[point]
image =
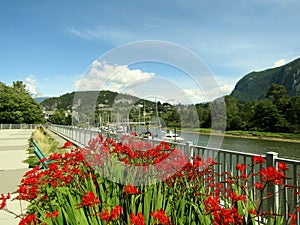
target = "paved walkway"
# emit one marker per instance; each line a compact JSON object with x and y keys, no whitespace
{"x":13,"y":146}
{"x":61,"y":141}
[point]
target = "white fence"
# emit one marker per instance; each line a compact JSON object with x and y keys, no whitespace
{"x":18,"y":126}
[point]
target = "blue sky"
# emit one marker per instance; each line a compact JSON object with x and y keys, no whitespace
{"x":50,"y":45}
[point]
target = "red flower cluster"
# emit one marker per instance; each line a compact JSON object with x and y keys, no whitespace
{"x":258,"y":159}
{"x":112,"y":215}
{"x":89,"y":199}
{"x":137,"y":220}
{"x":241,"y":167}
{"x":130,"y":189}
{"x":3,"y":199}
{"x":271,"y":175}
{"x":52,"y":215}
{"x":221,"y":214}
{"x":30,"y":219}
{"x":60,"y":172}
{"x":67,"y":144}
{"x":161,"y":217}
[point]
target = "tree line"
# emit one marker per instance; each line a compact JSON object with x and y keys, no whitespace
{"x":278,"y":112}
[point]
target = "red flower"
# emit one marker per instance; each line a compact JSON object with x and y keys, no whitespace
{"x":259,"y":185}
{"x":3,"y":200}
{"x":130,"y":189}
{"x":52,"y":214}
{"x":113,"y":215}
{"x":161,"y":216}
{"x":89,"y":199}
{"x":134,"y":134}
{"x":115,"y":212}
{"x":67,"y":144}
{"x":55,"y":156}
{"x":252,"y":212}
{"x":282,"y":166}
{"x":271,"y":175}
{"x":258,"y":159}
{"x":137,"y":220}
{"x":240,"y":167}
{"x":30,"y":219}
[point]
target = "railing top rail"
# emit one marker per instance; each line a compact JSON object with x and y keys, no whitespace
{"x":229,"y":151}
{"x":290,"y":161}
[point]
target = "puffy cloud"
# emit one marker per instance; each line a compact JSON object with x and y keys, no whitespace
{"x":103,"y":76}
{"x":280,"y":62}
{"x":227,"y":88}
{"x":30,"y":82}
{"x":195,"y":95}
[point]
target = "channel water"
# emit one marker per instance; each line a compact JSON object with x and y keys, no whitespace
{"x":285,"y":149}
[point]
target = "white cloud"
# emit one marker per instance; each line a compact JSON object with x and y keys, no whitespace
{"x":102,"y":76}
{"x":30,"y":82}
{"x":195,"y":95}
{"x":227,"y":88}
{"x":280,"y":62}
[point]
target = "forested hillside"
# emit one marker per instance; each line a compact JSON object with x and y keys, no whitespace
{"x":254,"y":85}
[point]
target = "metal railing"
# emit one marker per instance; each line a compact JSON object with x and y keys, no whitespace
{"x":280,"y":201}
{"x":18,"y":126}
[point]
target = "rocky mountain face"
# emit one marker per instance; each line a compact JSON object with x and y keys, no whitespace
{"x":254,"y":85}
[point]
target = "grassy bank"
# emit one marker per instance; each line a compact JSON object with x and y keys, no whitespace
{"x":248,"y":134}
{"x":45,"y":142}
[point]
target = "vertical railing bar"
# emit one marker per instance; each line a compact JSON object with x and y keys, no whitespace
{"x":219,"y":167}
{"x":285,"y":201}
{"x":296,"y":197}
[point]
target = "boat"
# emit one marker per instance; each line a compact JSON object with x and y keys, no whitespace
{"x":172,"y":136}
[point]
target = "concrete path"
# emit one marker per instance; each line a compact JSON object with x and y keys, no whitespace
{"x":13,"y":146}
{"x":60,"y":141}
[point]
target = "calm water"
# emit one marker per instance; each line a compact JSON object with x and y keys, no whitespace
{"x":284,"y":149}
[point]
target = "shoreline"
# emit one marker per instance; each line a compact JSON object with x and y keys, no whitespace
{"x":267,"y":138}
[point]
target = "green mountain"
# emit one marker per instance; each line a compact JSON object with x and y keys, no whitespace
{"x":76,"y":100}
{"x":40,"y":99}
{"x":254,"y":85}
{"x":88,"y":106}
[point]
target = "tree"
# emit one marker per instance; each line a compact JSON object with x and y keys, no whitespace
{"x":233,"y":120}
{"x":60,"y":117}
{"x":17,"y":106}
{"x":293,"y":114}
{"x":276,"y":92}
{"x":268,"y":118}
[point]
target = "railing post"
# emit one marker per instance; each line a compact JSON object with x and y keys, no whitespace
{"x":272,"y":190}
{"x":189,"y":150}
